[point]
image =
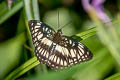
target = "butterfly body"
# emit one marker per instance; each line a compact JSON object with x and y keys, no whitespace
{"x":54,"y":49}
{"x":57,"y":37}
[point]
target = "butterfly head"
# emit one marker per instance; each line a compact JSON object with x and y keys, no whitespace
{"x":59,"y":31}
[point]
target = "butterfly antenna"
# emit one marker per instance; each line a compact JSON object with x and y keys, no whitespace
{"x":66,"y":24}
{"x":58,"y":19}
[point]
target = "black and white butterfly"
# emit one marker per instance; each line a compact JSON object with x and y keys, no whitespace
{"x":54,"y":49}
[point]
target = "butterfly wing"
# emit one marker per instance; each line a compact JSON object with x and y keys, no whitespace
{"x":67,"y":53}
{"x":76,"y":51}
{"x":41,"y":37}
{"x":58,"y":59}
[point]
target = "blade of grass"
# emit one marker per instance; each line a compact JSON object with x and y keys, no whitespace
{"x":35,"y":9}
{"x":30,"y":15}
{"x":8,"y":13}
{"x":22,"y":69}
{"x":84,"y":35}
{"x":114,"y":77}
{"x":28,"y":11}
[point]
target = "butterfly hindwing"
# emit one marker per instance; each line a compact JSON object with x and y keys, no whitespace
{"x":76,"y":51}
{"x":58,"y":59}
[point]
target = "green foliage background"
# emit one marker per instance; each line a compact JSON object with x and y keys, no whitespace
{"x":17,"y":60}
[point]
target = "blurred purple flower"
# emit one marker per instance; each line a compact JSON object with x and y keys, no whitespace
{"x":99,"y":8}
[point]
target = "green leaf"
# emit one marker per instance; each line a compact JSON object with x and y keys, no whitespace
{"x":10,"y":54}
{"x":22,"y":69}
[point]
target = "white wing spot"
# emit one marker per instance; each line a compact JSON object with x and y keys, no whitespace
{"x":32,"y":28}
{"x":56,"y":66}
{"x":37,"y":54}
{"x":76,"y":62}
{"x":65,"y":63}
{"x":73,"y":44}
{"x":81,"y":49}
{"x":31,"y":24}
{"x":78,"y":56}
{"x":83,"y":57}
{"x":47,"y":54}
{"x":35,"y":40}
{"x":45,"y":41}
{"x":49,"y":42}
{"x":72,"y":53}
{"x":39,"y":33}
{"x":35,"y":34}
{"x":58,"y":60}
{"x":70,"y":41}
{"x":70,"y":61}
{"x":55,"y":59}
{"x":38,"y":48}
{"x":40,"y":36}
{"x":58,"y":48}
{"x":42,"y":52}
{"x":87,"y":53}
{"x":43,"y":28}
{"x":54,"y":43}
{"x":53,"y":65}
{"x":65,"y":38}
{"x":46,"y":29}
{"x":38,"y":23}
{"x":81,"y":45}
{"x":36,"y":30}
{"x":80,"y":53}
{"x":80,"y":60}
{"x":61,"y":62}
{"x":37,"y":26}
{"x":66,"y":51}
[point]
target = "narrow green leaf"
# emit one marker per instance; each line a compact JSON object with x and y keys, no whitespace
{"x":35,"y":9}
{"x":22,"y":69}
{"x":86,"y":34}
{"x":28,"y":10}
{"x":114,"y":77}
{"x":5,"y":13}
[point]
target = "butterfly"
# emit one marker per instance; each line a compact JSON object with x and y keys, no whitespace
{"x":54,"y":49}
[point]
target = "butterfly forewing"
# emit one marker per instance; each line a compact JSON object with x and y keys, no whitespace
{"x":60,"y":54}
{"x":41,"y":35}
